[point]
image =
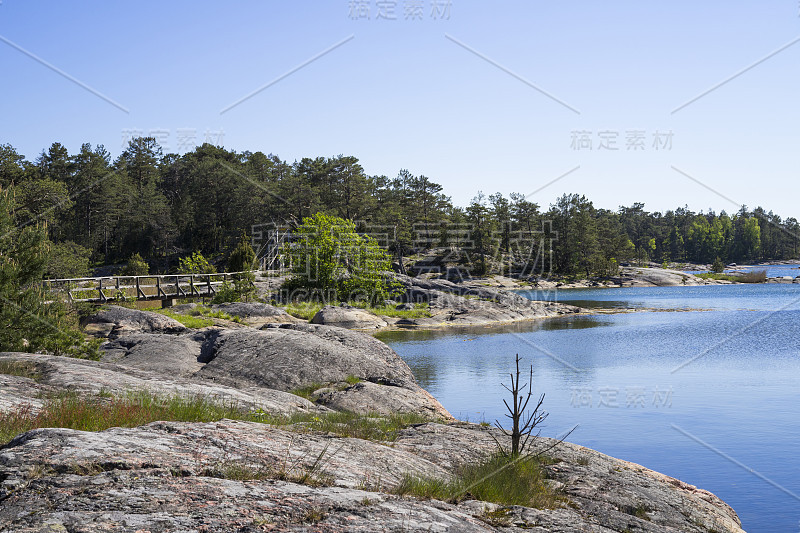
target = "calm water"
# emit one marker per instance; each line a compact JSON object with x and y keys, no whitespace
{"x":710,"y":397}
{"x":773,"y":271}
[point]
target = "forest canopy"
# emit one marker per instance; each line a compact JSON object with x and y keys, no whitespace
{"x":167,"y":206}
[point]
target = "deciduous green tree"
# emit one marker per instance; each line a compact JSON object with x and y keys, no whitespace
{"x":331,"y":261}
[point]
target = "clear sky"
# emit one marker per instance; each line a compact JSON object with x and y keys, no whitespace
{"x":494,"y":96}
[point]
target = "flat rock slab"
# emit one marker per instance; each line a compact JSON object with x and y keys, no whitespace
{"x":19,"y":392}
{"x":155,"y":478}
{"x":658,"y":277}
{"x":92,"y":377}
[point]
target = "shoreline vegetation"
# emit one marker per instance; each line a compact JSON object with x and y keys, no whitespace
{"x":151,"y":209}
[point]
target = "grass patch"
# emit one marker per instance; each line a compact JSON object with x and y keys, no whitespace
{"x":189,"y":321}
{"x":640,"y":511}
{"x":237,"y":471}
{"x":199,"y":317}
{"x":209,"y":313}
{"x":307,"y":390}
{"x":87,"y":413}
{"x":754,"y":276}
{"x":312,"y":516}
{"x":352,"y":380}
{"x":71,"y":410}
{"x":24,"y":369}
{"x":303,"y":310}
{"x":498,"y":479}
{"x":307,"y":310}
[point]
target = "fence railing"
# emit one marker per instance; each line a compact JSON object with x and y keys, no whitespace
{"x":149,"y":287}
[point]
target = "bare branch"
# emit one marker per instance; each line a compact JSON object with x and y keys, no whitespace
{"x":523,"y":422}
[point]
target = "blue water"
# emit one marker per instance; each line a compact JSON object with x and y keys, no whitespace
{"x":773,"y":271}
{"x":710,"y":397}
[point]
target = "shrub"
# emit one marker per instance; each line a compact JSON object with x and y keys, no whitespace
{"x":718,"y":266}
{"x":242,"y":258}
{"x":226,"y":293}
{"x":195,"y":264}
{"x":136,"y":266}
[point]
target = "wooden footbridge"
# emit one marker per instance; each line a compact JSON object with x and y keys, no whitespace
{"x":168,"y":288}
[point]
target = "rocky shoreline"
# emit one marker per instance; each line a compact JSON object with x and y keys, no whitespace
{"x":176,"y":476}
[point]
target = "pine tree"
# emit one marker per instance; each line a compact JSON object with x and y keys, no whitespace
{"x":30,"y":319}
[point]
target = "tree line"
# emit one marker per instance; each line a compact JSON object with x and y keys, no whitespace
{"x":103,"y":210}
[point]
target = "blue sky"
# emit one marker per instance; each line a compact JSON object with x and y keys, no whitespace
{"x":478,"y":96}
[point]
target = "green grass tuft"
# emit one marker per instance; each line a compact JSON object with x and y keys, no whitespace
{"x":498,"y":479}
{"x":307,"y":390}
{"x":303,"y":310}
{"x":371,"y":426}
{"x":24,"y":369}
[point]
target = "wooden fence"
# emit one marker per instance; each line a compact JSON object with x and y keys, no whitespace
{"x":165,"y":287}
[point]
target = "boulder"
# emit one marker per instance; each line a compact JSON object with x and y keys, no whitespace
{"x":367,"y":397}
{"x":114,"y":321}
{"x":657,"y":277}
{"x":166,"y":355}
{"x":347,"y":317}
{"x":297,"y":355}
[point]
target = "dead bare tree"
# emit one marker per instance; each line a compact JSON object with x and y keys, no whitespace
{"x":523,"y":424}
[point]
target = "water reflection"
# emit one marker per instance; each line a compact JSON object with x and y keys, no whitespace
{"x":471,"y":332}
{"x":614,"y":374}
